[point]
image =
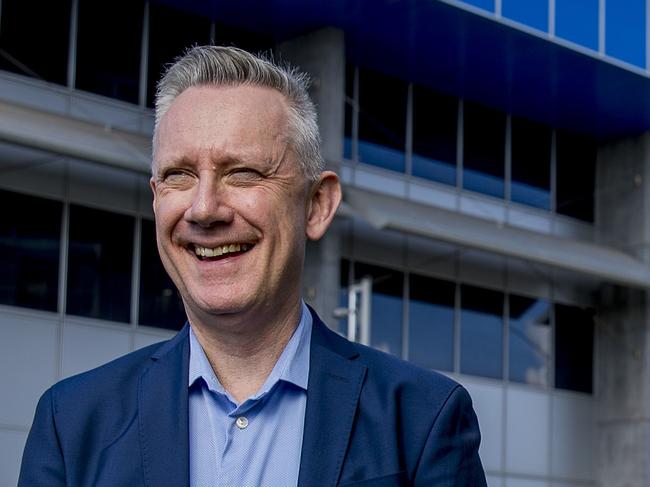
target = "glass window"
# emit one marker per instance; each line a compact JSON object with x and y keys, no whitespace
{"x":577,"y":21}
{"x":484,"y":4}
{"x":25,"y":25}
{"x":382,"y":120}
{"x":481,"y":337}
{"x":484,"y":149}
{"x":531,"y":163}
{"x":431,"y":322}
{"x":99,"y":264}
{"x":109,"y":39}
{"x":574,"y":348}
{"x":576,"y":175}
{"x":625,"y":36}
{"x":160,"y":302}
{"x":386,"y":307}
{"x":171,"y":31}
{"x":349,"y":110}
{"x":230,"y":35}
{"x":529,"y":340}
{"x":435,"y":119}
{"x":533,"y":13}
{"x":30,"y":236}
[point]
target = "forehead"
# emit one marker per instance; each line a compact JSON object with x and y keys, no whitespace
{"x":231,"y":118}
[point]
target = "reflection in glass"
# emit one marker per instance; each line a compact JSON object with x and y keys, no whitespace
{"x":99,"y":264}
{"x":574,"y":348}
{"x":171,"y":31}
{"x":431,"y":322}
{"x":577,"y":21}
{"x":529,"y":340}
{"x":160,"y":302}
{"x":434,"y":135}
{"x":625,"y":26}
{"x":25,"y":26}
{"x":382,"y":120}
{"x":386,"y":306}
{"x":484,"y":149}
{"x":109,"y":42}
{"x":29,"y":251}
{"x":576,"y":175}
{"x":481,"y":337}
{"x":531,"y":163}
{"x":533,"y":13}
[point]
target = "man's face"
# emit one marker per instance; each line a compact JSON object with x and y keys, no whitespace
{"x":230,"y":200}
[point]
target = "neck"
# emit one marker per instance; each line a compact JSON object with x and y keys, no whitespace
{"x":242,"y":350}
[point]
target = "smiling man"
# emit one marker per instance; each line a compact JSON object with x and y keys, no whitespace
{"x":255,"y":390}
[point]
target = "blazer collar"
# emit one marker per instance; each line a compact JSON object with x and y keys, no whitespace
{"x":163,"y":414}
{"x":335,"y":382}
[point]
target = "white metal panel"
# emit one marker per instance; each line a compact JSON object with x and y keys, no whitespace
{"x":573,"y":437}
{"x":103,"y":186}
{"x":527,"y":431}
{"x":482,"y":269}
{"x":12,"y":444}
{"x":488,"y":404}
{"x":530,"y":219}
{"x":144,"y":339}
{"x":32,"y":171}
{"x":86,"y":347}
{"x":36,"y":94}
{"x":145,"y":196}
{"x":482,"y":207}
{"x":381,"y":181}
{"x":494,"y":480}
{"x":427,"y":194}
{"x":429,"y":257}
{"x":521,"y":482}
{"x":28,"y":365}
{"x":109,"y":112}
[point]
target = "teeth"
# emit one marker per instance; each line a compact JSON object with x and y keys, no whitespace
{"x":221,"y":250}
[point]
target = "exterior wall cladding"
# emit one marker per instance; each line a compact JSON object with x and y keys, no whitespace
{"x":496,"y":171}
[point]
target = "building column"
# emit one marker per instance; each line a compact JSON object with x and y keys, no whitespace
{"x":322,"y":55}
{"x":622,"y":379}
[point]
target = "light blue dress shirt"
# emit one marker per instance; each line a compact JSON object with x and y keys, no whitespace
{"x":256,"y":443}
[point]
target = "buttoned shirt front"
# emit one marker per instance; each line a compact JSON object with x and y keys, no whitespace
{"x":257,"y":442}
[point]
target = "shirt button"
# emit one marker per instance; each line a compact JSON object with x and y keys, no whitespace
{"x":241,"y":422}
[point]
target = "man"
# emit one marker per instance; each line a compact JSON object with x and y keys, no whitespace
{"x":255,"y":390}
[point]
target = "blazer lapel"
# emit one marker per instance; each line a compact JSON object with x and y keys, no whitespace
{"x":163,"y":415}
{"x":335,"y":382}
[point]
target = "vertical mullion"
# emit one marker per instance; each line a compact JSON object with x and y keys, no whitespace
{"x":508,"y":160}
{"x":144,"y":57}
{"x":72,"y":46}
{"x":602,"y":27}
{"x":457,"y":314}
{"x":459,"y":144}
{"x":409,"y":130}
{"x":355,"y":116}
{"x":213,"y":32}
{"x":551,"y":18}
{"x":553,"y":161}
{"x":135,"y":271}
{"x":405,"y":315}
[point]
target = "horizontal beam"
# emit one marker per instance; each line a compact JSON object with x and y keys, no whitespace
{"x":74,"y":138}
{"x":387,"y":212}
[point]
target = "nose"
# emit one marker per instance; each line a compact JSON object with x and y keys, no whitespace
{"x":209,"y":206}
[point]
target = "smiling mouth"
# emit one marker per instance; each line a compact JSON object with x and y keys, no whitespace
{"x":220,"y":252}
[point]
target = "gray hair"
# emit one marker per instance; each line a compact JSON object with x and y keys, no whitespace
{"x":223,"y":66}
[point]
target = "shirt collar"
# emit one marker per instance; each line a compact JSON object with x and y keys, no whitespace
{"x":292,"y":366}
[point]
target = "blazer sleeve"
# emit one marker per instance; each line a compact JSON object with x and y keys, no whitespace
{"x":42,"y":464}
{"x":450,"y":456}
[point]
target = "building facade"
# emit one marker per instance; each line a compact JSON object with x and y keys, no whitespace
{"x":496,"y":218}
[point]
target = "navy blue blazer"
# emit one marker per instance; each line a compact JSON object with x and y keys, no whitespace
{"x":371,"y":421}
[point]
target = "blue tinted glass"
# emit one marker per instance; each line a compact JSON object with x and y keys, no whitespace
{"x":530,"y":340}
{"x":531,"y":163}
{"x":577,"y":21}
{"x":382,"y":120}
{"x":160,"y":302}
{"x":533,"y":13}
{"x":99,"y":264}
{"x":484,"y":150}
{"x":30,"y":235}
{"x":435,"y":121}
{"x":481,"y":335}
{"x":386,"y":306}
{"x":431,"y":323}
{"x":625,"y":30}
{"x":484,"y":4}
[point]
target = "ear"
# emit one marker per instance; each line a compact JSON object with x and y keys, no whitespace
{"x":325,"y":198}
{"x":152,"y":185}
